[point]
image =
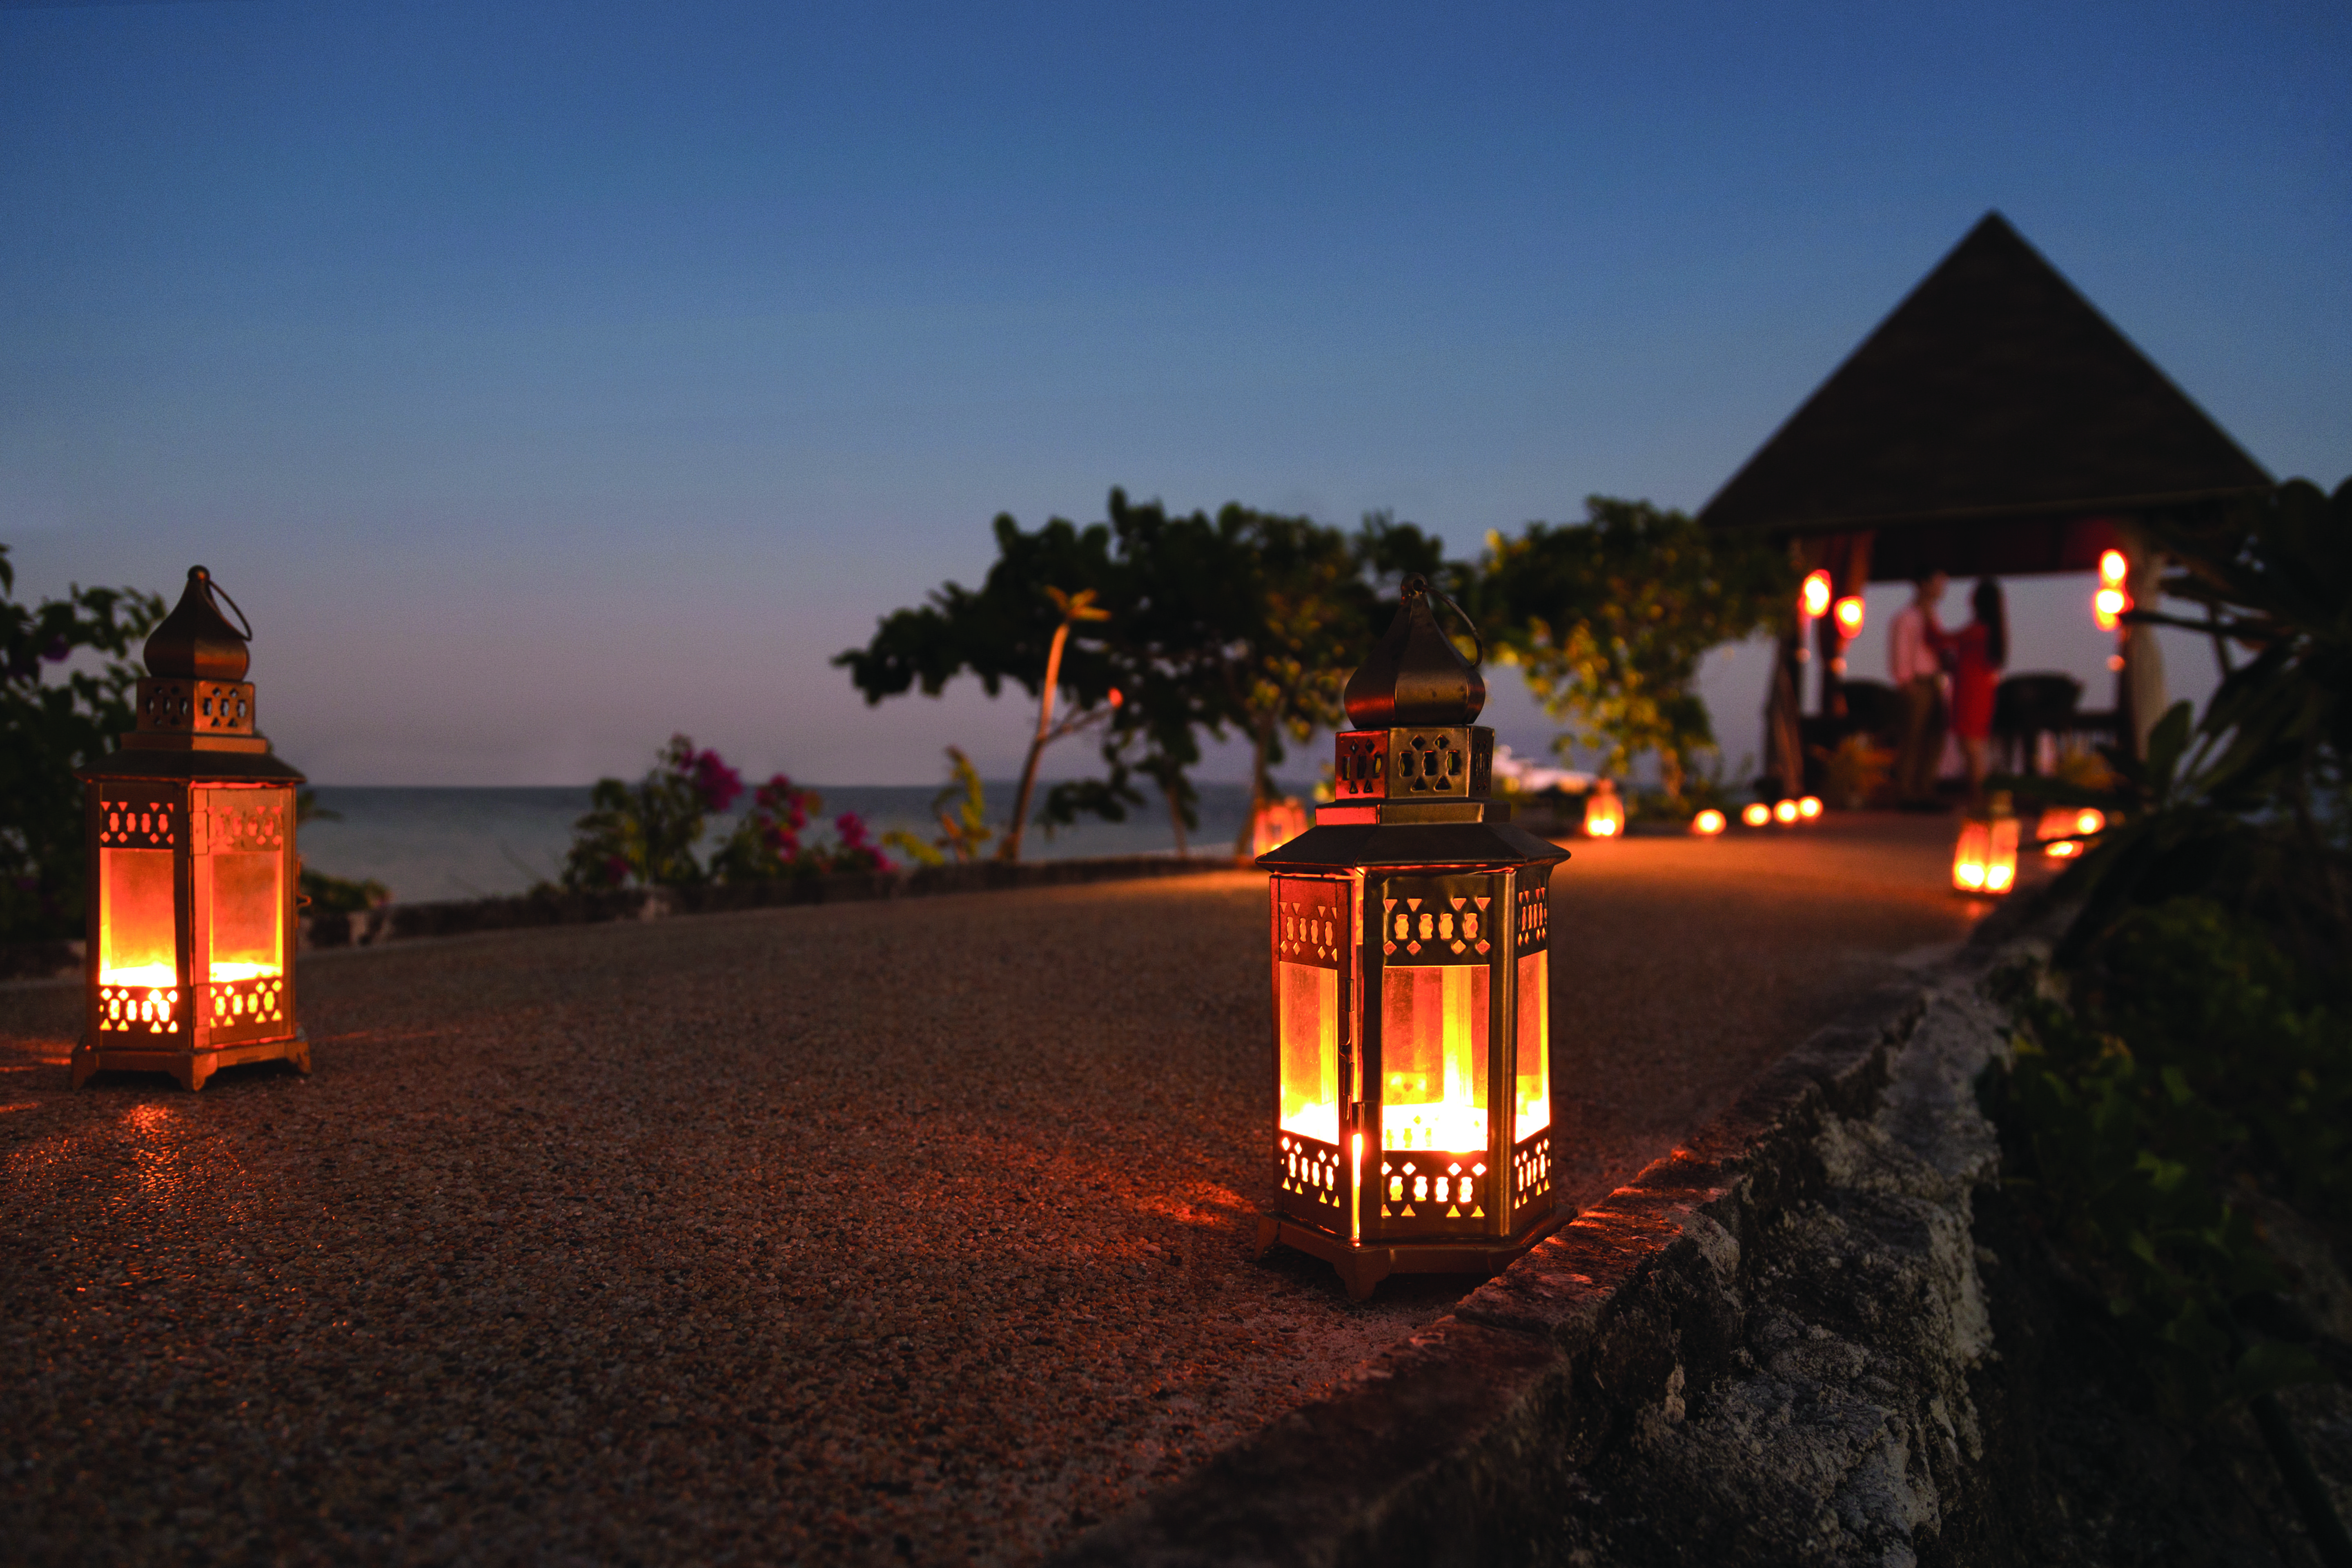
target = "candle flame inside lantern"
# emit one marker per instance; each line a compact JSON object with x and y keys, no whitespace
{"x":1814,"y":597}
{"x":1849,"y":616}
{"x":1309,"y":1007}
{"x":1756,"y":815}
{"x":1809,"y":806}
{"x":1785,"y":811}
{"x":1604,"y":814}
{"x":1433,"y":1083}
{"x":1708,"y":823}
{"x":1985,"y":859}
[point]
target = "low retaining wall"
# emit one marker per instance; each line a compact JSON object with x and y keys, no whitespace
{"x":547,"y":906}
{"x":1760,"y":1350}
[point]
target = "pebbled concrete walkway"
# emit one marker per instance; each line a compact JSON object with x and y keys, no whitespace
{"x":865,"y":1233}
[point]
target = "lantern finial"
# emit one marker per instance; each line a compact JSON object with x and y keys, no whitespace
{"x":1414,"y":676}
{"x":197,"y":642}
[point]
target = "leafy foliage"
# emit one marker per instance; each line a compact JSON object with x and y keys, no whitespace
{"x":2249,"y":804}
{"x":1609,"y":619}
{"x":1251,"y":622}
{"x":2206,"y":1045}
{"x":1855,"y":770}
{"x":1246,"y":621}
{"x":49,"y":728}
{"x":646,"y":833}
{"x":2194,"y":1056}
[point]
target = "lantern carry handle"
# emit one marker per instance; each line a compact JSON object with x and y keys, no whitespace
{"x":1438,"y":595}
{"x":219,"y":596}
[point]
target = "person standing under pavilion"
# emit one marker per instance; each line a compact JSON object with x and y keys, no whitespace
{"x":1978,"y":652}
{"x":1914,"y":641}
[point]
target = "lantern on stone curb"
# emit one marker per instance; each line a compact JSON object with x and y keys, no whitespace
{"x":193,"y":874}
{"x":1984,"y":861}
{"x":1411,"y":988}
{"x":2063,"y":829}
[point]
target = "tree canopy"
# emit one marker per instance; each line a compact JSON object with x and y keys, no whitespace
{"x":1607,"y":619}
{"x":1248,"y":623}
{"x":49,"y":728}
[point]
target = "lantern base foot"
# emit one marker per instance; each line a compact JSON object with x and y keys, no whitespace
{"x":1362,"y":1267}
{"x":191,"y":1068}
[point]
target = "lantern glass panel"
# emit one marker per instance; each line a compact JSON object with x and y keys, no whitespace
{"x":244,"y":902}
{"x":137,"y":929}
{"x":1309,"y":1001}
{"x":1434,"y":1056}
{"x":1534,"y":1085}
{"x":1969,"y":858}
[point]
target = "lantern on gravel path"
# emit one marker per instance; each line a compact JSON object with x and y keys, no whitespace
{"x":1604,"y":811}
{"x":1411,"y":988}
{"x":1985,"y":859}
{"x":191,"y":866}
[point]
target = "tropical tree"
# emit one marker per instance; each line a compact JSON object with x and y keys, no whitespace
{"x":1244,"y":622}
{"x":1043,"y":617}
{"x":50,"y":727}
{"x":1609,"y":619}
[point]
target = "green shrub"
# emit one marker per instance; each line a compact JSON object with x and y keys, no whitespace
{"x":2193,"y":1060}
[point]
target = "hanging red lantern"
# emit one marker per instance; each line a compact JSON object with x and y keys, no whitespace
{"x":1813,"y":597}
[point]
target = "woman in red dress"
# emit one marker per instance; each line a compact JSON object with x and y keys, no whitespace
{"x":1976,"y":654}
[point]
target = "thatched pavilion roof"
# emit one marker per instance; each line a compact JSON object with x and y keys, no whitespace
{"x":1994,"y":423}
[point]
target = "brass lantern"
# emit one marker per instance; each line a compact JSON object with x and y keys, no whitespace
{"x":192,"y":874}
{"x":1411,"y":988}
{"x":1985,"y":859}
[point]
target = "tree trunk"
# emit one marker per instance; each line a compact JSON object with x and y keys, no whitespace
{"x":1176,"y":821}
{"x":1244,"y":841}
{"x":1011,"y":849}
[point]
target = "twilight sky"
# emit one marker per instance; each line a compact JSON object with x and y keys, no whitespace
{"x":545,"y":378}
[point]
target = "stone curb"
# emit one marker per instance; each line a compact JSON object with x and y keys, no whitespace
{"x":1543,"y":1420}
{"x":394,"y":923}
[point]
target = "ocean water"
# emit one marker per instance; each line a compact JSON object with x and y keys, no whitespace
{"x":433,"y":843}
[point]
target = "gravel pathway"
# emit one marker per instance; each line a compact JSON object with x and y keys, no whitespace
{"x":872,"y":1232}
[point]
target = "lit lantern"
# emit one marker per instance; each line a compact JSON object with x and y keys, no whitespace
{"x":2063,"y":829}
{"x":1756,"y":814}
{"x":1813,"y":597}
{"x":2111,"y":598}
{"x":191,"y":866}
{"x":1785,"y":813}
{"x":1809,"y":807}
{"x":1985,"y":860}
{"x":1277,"y":822}
{"x":1411,"y":988}
{"x":1849,"y":616}
{"x":1708,"y":823}
{"x":1605,"y":812}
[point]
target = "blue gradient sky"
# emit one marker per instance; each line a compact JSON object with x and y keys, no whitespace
{"x":545,"y":378}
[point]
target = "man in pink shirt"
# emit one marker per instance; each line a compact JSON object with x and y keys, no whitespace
{"x":1919,"y":675}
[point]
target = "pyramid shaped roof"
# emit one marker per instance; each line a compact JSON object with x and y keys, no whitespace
{"x":1992,"y":408}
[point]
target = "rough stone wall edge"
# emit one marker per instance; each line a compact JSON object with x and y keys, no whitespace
{"x":1465,"y":1427}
